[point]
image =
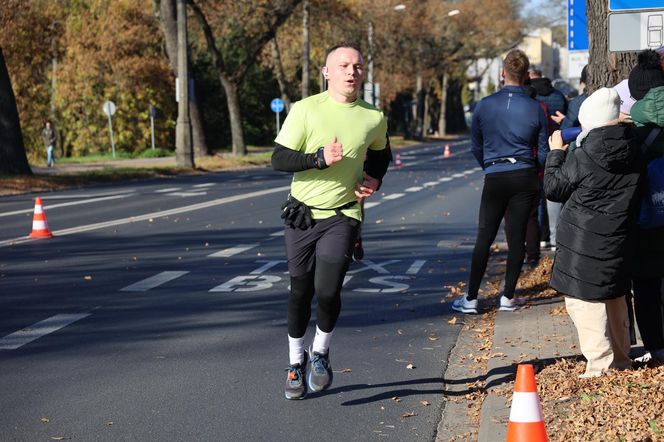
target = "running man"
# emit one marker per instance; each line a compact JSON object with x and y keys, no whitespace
{"x":506,"y":126}
{"x":324,"y":141}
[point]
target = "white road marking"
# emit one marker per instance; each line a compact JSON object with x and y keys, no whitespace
{"x":430,"y":184}
{"x":168,"y":189}
{"x":187,"y":194}
{"x":371,"y":204}
{"x":36,"y":331}
{"x":232,"y":251}
{"x":415,"y":267}
{"x":265,"y":267}
{"x":198,"y":186}
{"x":153,"y":281}
{"x":147,"y":216}
{"x":445,"y":179}
{"x":393,"y":196}
{"x":370,"y":265}
{"x":278,"y":233}
{"x":458,"y":175}
{"x":72,"y":203}
{"x":414,"y":189}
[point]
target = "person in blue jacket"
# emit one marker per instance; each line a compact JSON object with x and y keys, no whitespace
{"x":505,"y":127}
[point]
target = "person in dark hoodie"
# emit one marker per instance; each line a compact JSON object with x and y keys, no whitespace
{"x":557,"y":104}
{"x":646,"y":85}
{"x":598,"y":182}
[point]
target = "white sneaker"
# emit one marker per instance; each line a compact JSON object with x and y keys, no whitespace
{"x":464,"y":305}
{"x":509,"y":305}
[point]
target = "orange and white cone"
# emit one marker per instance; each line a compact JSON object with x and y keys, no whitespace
{"x":39,"y":224}
{"x":526,"y":423}
{"x":446,"y":152}
{"x":397,"y":162}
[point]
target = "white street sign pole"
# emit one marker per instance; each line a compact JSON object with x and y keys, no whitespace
{"x":152,"y":129}
{"x":278,"y":113}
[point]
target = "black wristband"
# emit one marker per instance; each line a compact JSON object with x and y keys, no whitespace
{"x":320,"y":158}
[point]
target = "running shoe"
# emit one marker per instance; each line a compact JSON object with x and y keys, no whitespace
{"x":296,"y":386}
{"x":358,"y":250}
{"x":320,"y":373}
{"x":465,"y":305}
{"x":509,"y":305}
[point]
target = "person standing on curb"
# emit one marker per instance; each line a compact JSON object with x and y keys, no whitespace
{"x":505,"y":127}
{"x":50,"y":138}
{"x":324,"y":141}
{"x":598,"y":182}
{"x":646,"y":85}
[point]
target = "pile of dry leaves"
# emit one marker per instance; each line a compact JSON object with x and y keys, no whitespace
{"x":619,"y":406}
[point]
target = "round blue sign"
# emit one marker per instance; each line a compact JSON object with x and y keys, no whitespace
{"x":277,"y":105}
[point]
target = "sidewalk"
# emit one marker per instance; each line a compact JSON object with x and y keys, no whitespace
{"x":84,"y":167}
{"x":539,"y":333}
{"x":479,"y":379}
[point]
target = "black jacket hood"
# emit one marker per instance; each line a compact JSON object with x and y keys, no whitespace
{"x":543,"y":86}
{"x":613,"y":148}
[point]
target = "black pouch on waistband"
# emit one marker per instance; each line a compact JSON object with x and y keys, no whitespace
{"x":296,"y":214}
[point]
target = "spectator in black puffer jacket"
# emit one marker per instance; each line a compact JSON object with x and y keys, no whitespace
{"x":598,"y":182}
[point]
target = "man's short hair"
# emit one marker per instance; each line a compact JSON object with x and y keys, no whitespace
{"x":345,"y":44}
{"x":516,"y":65}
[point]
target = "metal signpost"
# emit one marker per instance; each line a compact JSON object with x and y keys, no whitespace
{"x":109,"y":109}
{"x":153,"y":115}
{"x":277,"y":105}
{"x":635,"y":25}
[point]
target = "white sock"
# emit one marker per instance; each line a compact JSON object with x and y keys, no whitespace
{"x":296,"y":350}
{"x":322,"y":341}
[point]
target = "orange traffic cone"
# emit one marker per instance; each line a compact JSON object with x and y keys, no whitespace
{"x":397,"y":162}
{"x":446,"y":152}
{"x":526,"y":423}
{"x":39,"y":224}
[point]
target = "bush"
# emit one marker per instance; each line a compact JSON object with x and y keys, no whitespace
{"x":155,"y":153}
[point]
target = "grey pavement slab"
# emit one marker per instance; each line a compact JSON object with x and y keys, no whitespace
{"x":535,"y":334}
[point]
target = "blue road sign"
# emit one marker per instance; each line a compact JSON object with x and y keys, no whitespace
{"x":277,"y":105}
{"x":577,"y":25}
{"x":630,"y":5}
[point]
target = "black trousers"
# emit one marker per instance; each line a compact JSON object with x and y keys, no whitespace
{"x":649,"y":310}
{"x":318,"y":260}
{"x":514,"y":191}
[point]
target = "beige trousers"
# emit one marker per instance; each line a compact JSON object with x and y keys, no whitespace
{"x":603,"y":328}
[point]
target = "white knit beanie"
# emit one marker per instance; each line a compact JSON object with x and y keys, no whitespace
{"x":602,"y":108}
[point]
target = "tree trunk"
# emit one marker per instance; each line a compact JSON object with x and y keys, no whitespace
{"x":442,"y":124}
{"x":235,"y":114}
{"x":455,"y":118}
{"x":305,"y":49}
{"x":166,"y":15}
{"x":605,"y":69}
{"x":279,"y":73}
{"x":13,"y":160}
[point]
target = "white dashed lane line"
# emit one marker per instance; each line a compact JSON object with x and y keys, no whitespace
{"x":187,"y":194}
{"x":393,"y":196}
{"x":371,"y":204}
{"x":414,"y":189}
{"x":198,"y":186}
{"x":232,"y":251}
{"x":20,"y":338}
{"x":167,"y":190}
{"x":72,"y":203}
{"x":153,"y":281}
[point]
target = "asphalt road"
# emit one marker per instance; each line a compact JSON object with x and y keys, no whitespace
{"x":158,"y":310}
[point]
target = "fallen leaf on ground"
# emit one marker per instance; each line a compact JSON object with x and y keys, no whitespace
{"x":425,"y":403}
{"x":410,"y":367}
{"x":409,"y":414}
{"x":45,"y":420}
{"x":396,"y":399}
{"x":452,"y":321}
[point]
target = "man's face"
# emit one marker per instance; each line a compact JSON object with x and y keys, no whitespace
{"x":344,"y":68}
